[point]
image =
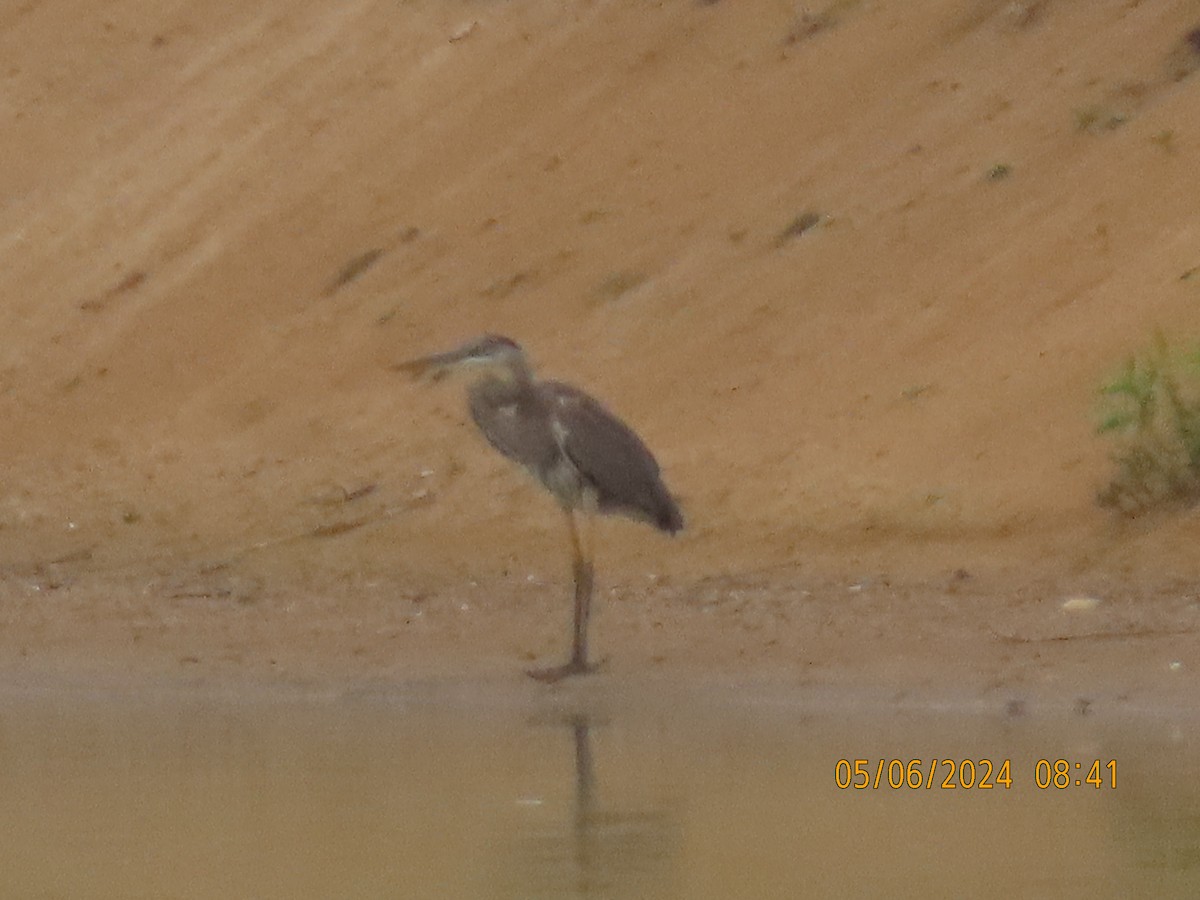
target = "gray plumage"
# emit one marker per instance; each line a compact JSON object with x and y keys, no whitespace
{"x":583,"y":454}
{"x":586,"y":457}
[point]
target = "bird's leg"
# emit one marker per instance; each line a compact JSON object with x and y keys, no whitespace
{"x":583,"y":591}
{"x":581,"y":557}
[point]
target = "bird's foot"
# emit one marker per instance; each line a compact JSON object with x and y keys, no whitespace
{"x":555,"y":674}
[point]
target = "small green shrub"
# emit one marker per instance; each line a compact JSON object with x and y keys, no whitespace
{"x":998,"y":172}
{"x":1151,"y":411}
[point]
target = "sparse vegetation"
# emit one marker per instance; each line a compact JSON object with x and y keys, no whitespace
{"x":1096,"y":119}
{"x":1151,"y":410}
{"x":998,"y":172}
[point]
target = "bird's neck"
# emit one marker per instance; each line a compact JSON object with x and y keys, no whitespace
{"x":505,"y":382}
{"x":514,"y":372}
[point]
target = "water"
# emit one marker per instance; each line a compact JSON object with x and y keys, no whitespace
{"x":391,"y":796}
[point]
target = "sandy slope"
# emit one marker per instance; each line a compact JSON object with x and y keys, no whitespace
{"x":220,"y":223}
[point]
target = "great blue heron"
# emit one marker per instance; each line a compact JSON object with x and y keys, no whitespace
{"x":585,"y":456}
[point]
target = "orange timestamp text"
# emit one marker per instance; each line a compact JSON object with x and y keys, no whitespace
{"x":969,"y":774}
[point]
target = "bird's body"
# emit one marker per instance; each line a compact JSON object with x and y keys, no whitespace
{"x":583,"y":454}
{"x":586,"y":457}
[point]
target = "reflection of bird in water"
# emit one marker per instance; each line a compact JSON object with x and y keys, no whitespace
{"x":585,"y":456}
{"x":605,"y":849}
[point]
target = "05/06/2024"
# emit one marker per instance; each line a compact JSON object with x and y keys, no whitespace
{"x":968,"y":774}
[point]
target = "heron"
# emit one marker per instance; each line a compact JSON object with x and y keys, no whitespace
{"x":586,"y":457}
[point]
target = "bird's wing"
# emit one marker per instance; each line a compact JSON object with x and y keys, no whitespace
{"x":610,"y":457}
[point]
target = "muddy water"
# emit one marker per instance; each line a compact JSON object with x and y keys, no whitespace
{"x":391,"y":795}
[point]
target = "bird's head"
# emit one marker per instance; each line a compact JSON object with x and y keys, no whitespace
{"x":491,"y":351}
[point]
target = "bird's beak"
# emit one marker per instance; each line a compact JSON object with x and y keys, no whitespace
{"x":433,"y":368}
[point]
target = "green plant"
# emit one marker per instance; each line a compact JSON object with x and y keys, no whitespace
{"x":998,"y":172}
{"x":1151,"y":410}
